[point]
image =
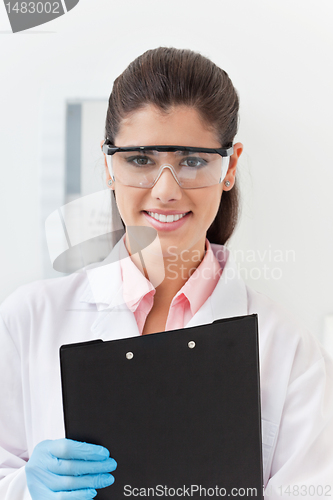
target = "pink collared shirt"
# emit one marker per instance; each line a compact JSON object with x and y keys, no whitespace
{"x":185,"y":303}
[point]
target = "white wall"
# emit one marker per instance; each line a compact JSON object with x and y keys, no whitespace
{"x":279,"y":56}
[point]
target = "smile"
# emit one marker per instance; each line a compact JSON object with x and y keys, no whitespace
{"x":166,"y":218}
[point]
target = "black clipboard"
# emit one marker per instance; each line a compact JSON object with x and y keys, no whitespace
{"x":177,"y":409}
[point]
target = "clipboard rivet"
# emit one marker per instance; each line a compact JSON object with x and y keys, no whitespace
{"x":129,"y":355}
{"x":191,"y":344}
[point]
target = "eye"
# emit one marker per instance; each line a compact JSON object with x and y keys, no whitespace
{"x":194,"y":162}
{"x":139,"y":161}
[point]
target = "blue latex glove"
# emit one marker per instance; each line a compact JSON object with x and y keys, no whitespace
{"x":73,"y":468}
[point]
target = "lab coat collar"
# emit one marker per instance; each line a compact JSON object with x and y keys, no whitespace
{"x":104,"y":282}
{"x":104,"y":289}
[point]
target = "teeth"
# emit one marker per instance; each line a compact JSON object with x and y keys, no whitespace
{"x":166,"y":218}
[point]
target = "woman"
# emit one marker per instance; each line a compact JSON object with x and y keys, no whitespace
{"x":166,"y":97}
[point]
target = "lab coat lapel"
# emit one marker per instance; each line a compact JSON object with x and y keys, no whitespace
{"x":229,"y":298}
{"x":105,"y":290}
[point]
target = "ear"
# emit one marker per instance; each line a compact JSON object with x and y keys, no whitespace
{"x":108,"y":177}
{"x":231,"y":174}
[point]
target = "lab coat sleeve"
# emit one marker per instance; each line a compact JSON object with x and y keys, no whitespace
{"x":13,"y":447}
{"x":302,"y":464}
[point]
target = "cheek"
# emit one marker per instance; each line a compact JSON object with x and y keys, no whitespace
{"x":129,"y":201}
{"x":210,"y":202}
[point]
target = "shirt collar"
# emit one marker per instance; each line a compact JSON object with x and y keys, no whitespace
{"x":205,"y":278}
{"x":136,"y":286}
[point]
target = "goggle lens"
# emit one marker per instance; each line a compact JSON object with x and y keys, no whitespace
{"x":191,"y":169}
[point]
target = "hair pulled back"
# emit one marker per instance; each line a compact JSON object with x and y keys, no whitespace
{"x":166,"y":77}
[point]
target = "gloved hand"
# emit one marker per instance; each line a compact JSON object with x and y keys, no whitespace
{"x":73,"y":468}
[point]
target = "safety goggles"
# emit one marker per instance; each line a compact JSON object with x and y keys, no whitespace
{"x":191,"y":167}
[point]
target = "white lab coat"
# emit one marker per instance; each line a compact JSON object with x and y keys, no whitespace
{"x":296,"y":373}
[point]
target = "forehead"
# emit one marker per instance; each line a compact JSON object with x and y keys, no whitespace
{"x":180,"y":125}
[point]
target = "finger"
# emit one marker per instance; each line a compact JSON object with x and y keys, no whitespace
{"x":89,"y":481}
{"x":74,"y":495}
{"x":79,"y":467}
{"x":69,"y":449}
{"x":41,"y":491}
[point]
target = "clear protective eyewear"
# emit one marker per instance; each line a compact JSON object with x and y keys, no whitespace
{"x":191,"y":167}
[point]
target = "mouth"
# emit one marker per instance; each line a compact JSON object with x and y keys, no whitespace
{"x":167,"y":218}
{"x":166,"y":222}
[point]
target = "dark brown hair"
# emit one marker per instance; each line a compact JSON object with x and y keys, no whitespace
{"x":166,"y":77}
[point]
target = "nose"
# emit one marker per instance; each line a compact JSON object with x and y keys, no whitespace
{"x":166,"y":188}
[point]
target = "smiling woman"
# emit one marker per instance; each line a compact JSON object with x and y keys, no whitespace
{"x":204,"y":95}
{"x":170,"y":163}
{"x":181,"y":125}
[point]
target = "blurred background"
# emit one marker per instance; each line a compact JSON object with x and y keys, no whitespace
{"x":55,"y":82}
